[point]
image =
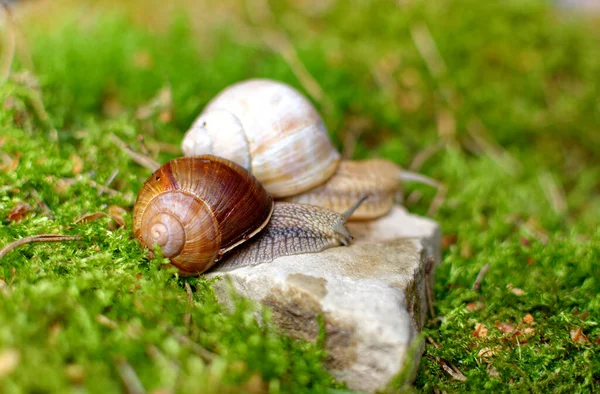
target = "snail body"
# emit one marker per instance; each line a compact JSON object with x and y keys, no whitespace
{"x":275,"y":133}
{"x":197,"y":209}
{"x":350,"y":182}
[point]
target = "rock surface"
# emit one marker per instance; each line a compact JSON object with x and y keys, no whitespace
{"x":371,"y":295}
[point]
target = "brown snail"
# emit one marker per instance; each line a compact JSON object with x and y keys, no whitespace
{"x":274,"y":132}
{"x":197,"y":209}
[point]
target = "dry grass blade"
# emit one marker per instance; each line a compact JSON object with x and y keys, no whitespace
{"x":110,"y":180}
{"x":501,"y":157}
{"x":428,"y":50}
{"x":428,"y":283}
{"x":10,"y":39}
{"x":130,"y":380}
{"x":9,"y":361}
{"x":139,"y":158}
{"x":438,"y":200}
{"x":262,"y":16}
{"x":554,"y":193}
{"x":187,"y":318}
{"x":38,"y":238}
{"x":424,"y":155}
{"x":206,"y":355}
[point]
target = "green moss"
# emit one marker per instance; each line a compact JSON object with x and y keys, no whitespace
{"x":516,"y":74}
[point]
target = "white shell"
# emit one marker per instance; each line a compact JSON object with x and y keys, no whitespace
{"x":272,"y":130}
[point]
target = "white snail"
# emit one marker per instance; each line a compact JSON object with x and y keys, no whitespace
{"x":274,"y":132}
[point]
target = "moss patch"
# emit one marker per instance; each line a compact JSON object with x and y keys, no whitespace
{"x":508,"y":92}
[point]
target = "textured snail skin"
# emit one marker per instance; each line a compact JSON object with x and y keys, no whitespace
{"x":378,"y":178}
{"x":293,"y":229}
{"x":198,"y":208}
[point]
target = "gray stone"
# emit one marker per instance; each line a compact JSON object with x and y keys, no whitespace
{"x":371,"y":295}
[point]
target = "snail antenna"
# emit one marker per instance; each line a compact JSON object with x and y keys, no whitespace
{"x":340,"y":228}
{"x":346,"y":215}
{"x":407,"y":176}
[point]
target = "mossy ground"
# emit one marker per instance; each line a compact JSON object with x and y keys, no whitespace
{"x":503,"y":94}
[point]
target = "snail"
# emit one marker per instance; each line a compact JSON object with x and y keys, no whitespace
{"x":197,"y":209}
{"x":274,"y":132}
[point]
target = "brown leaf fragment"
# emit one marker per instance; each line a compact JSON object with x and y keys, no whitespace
{"x":505,"y":328}
{"x":54,"y":332}
{"x":515,"y":290}
{"x":530,"y":261}
{"x":493,"y":372}
{"x":106,"y":322}
{"x":77,"y":164}
{"x":475,"y":306}
{"x":529,"y":331}
{"x":480,"y":331}
{"x":18,"y":213}
{"x":466,"y":251}
{"x":111,"y":106}
{"x":518,"y":292}
{"x":10,"y":164}
{"x":166,"y":116}
{"x":452,"y":371}
{"x":597,"y":341}
{"x":9,"y":361}
{"x":5,"y":288}
{"x":116,"y":210}
{"x":161,"y":102}
{"x":92,"y":217}
{"x":449,"y":240}
{"x":578,"y":336}
{"x":528,"y":319}
{"x":525,"y":241}
{"x":486,"y":352}
{"x":75,"y":373}
{"x":256,"y":385}
{"x":143,"y":60}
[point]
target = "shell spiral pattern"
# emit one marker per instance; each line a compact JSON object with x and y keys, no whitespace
{"x":198,"y":208}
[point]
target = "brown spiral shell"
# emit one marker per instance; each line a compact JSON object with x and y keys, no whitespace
{"x":198,"y":208}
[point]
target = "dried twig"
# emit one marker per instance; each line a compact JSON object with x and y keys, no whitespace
{"x":477,"y":284}
{"x":139,"y":158}
{"x":130,"y":380}
{"x":38,"y":238}
{"x":451,"y":370}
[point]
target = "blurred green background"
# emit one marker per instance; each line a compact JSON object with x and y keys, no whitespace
{"x":499,"y":100}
